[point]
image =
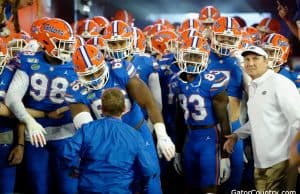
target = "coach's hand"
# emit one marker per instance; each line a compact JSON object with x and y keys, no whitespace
{"x":230,"y":142}
{"x":224,"y":170}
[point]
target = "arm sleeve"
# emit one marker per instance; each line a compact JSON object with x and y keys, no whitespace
{"x":145,"y":164}
{"x":244,"y":131}
{"x":154,"y":86}
{"x":73,"y":148}
{"x":15,"y":94}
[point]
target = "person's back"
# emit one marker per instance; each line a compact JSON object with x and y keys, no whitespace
{"x":108,"y":154}
{"x":110,"y":151}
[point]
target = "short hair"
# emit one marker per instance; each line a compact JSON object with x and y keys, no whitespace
{"x":113,"y":102}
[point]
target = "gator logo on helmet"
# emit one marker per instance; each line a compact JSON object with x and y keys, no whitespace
{"x":52,"y":29}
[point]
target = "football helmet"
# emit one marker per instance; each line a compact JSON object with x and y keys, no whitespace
{"x":193,"y":55}
{"x":246,"y":40}
{"x":124,"y":16}
{"x":226,"y":35}
{"x":3,"y":55}
{"x":118,"y":39}
{"x":17,"y":42}
{"x":241,"y":21}
{"x":278,"y":48}
{"x":164,"y":41}
{"x":209,"y":14}
{"x":88,"y":29}
{"x":147,"y":29}
{"x":102,"y":23}
{"x":165,"y":23}
{"x":58,"y":39}
{"x":79,"y":41}
{"x":189,"y":33}
{"x":254,"y":34}
{"x":191,"y":23}
{"x":139,"y":40}
{"x":150,"y":33}
{"x":99,"y":42}
{"x":268,"y":26}
{"x":90,"y":66}
{"x":35,"y":28}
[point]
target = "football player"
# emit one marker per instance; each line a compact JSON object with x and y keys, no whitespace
{"x":201,"y":105}
{"x":40,"y":83}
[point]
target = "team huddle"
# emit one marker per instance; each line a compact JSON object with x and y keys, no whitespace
{"x":63,"y":89}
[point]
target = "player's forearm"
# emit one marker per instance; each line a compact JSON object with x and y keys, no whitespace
{"x":220,"y":102}
{"x":36,"y":113}
{"x":80,"y":114}
{"x":234,"y":108}
{"x":21,"y":134}
{"x":4,"y":111}
{"x":135,"y":88}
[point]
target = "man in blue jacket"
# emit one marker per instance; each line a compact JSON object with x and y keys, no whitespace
{"x":111,"y":151}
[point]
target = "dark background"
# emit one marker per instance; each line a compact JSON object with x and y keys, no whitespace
{"x":140,"y":9}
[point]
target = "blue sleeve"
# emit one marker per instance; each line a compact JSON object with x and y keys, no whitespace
{"x":73,"y":93}
{"x":23,"y":64}
{"x":155,"y":64}
{"x":73,"y":148}
{"x":235,"y":85}
{"x":298,"y":147}
{"x":123,"y":71}
{"x":144,"y":160}
{"x":5,"y":79}
{"x":218,"y":84}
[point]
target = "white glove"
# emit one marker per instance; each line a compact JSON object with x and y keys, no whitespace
{"x":224,"y":170}
{"x":165,"y":146}
{"x":177,"y":163}
{"x":36,"y":132}
{"x":5,"y":32}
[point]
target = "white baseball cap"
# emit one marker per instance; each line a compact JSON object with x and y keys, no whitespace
{"x":254,"y":49}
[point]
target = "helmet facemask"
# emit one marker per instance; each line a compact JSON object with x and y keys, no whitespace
{"x":3,"y":61}
{"x":224,"y":43}
{"x":119,"y":48}
{"x":15,"y":46}
{"x":63,"y":49}
{"x":274,"y":56}
{"x":192,"y":61}
{"x":96,"y":77}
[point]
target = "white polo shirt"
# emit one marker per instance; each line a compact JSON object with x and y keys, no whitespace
{"x":273,"y":110}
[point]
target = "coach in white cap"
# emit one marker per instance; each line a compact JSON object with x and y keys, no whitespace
{"x":273,"y":110}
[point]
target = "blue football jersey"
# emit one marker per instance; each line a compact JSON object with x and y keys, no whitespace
{"x":144,"y":65}
{"x":119,"y":75}
{"x":292,"y":75}
{"x":229,"y":66}
{"x":5,"y":78}
{"x":196,"y":97}
{"x":47,"y":85}
{"x":168,"y":68}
